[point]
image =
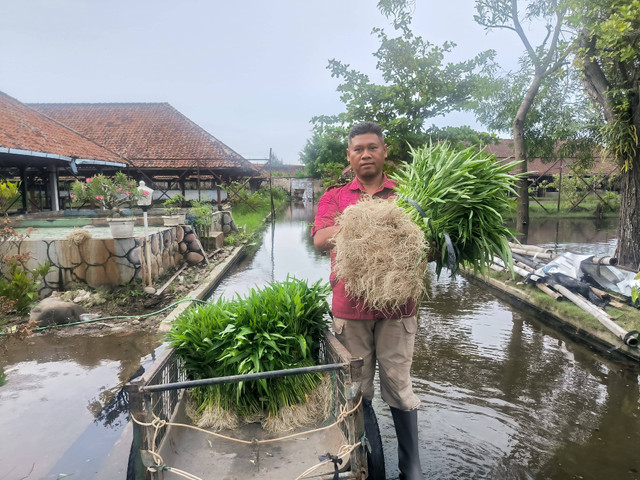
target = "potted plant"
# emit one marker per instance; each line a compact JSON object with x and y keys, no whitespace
{"x":202,"y":217}
{"x":173,"y":214}
{"x":112,"y":194}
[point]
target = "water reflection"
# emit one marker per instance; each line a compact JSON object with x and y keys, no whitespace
{"x":286,"y":249}
{"x":597,"y":237}
{"x":503,"y":395}
{"x":66,"y":407}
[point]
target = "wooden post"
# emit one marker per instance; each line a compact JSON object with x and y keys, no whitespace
{"x":559,"y":185}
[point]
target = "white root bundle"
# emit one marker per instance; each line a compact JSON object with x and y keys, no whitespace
{"x":380,"y":254}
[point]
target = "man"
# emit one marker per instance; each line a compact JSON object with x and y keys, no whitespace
{"x":387,"y":339}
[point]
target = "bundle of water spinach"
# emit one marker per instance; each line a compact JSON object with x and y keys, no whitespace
{"x":459,"y":198}
{"x":275,"y":327}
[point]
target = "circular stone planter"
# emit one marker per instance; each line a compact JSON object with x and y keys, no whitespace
{"x":121,"y":227}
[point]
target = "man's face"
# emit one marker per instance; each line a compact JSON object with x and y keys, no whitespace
{"x":366,"y":155}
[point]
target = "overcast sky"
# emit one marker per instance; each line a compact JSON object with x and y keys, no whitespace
{"x":250,"y":72}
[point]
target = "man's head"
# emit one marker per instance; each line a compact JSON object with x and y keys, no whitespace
{"x":366,"y":151}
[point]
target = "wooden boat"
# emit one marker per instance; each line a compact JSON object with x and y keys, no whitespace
{"x":177,"y":450}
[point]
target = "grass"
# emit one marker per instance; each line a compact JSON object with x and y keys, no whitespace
{"x":250,"y":219}
{"x":586,"y":209}
{"x":627,"y":317}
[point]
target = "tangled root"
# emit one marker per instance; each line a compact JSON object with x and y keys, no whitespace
{"x":213,"y":416}
{"x":79,"y":236}
{"x":314,"y":411}
{"x":380,"y":254}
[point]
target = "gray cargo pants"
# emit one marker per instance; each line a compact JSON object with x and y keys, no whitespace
{"x":390,"y":342}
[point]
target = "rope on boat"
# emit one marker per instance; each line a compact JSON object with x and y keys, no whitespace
{"x":157,"y":423}
{"x":342,"y":452}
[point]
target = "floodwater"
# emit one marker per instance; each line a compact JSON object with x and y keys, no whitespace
{"x":503,"y":396}
{"x":62,"y":411}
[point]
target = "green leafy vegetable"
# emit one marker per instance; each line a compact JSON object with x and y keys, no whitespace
{"x":463,"y":194}
{"x":274,"y":328}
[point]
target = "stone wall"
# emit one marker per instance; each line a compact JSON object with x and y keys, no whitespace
{"x":107,"y":262}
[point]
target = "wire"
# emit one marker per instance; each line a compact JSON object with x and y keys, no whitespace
{"x":114,"y":317}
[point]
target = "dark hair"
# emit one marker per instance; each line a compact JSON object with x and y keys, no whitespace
{"x":366,"y":127}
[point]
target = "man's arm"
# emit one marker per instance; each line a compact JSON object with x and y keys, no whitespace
{"x":323,"y":239}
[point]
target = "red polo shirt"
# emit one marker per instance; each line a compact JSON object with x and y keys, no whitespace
{"x":333,"y":203}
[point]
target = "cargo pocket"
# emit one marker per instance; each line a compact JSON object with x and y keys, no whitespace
{"x":337,"y":326}
{"x":410,"y":324}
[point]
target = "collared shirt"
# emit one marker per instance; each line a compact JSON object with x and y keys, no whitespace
{"x":334,"y":201}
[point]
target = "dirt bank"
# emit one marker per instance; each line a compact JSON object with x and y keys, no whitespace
{"x":129,"y":308}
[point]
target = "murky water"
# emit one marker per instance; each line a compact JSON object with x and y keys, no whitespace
{"x":503,"y":396}
{"x":62,"y":411}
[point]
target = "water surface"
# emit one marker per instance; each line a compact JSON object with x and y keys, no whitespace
{"x":503,"y":396}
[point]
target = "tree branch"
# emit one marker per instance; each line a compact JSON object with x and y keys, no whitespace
{"x":594,"y":81}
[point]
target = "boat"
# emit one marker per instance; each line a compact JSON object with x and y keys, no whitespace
{"x":167,"y":445}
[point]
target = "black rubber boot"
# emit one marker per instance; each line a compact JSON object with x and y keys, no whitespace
{"x":406,"y":423}
{"x":375,"y":455}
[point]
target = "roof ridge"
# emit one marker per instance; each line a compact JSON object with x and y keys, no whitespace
{"x":84,"y":104}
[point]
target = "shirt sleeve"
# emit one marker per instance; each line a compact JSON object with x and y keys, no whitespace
{"x":327,"y":211}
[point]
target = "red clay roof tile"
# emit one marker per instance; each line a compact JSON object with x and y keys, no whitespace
{"x":151,"y":135}
{"x":23,"y":128}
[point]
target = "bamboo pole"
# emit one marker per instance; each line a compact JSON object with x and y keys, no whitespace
{"x":168,"y":282}
{"x":545,"y":288}
{"x":520,"y":271}
{"x":524,"y":266}
{"x":533,"y":248}
{"x":604,"y":260}
{"x":533,"y":253}
{"x":599,"y":314}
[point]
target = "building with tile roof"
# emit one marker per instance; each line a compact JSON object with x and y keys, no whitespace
{"x":539,"y":170}
{"x":37,"y":149}
{"x":159,"y":141}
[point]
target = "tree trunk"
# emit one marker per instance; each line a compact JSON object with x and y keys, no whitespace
{"x":520,"y":153}
{"x":628,"y":249}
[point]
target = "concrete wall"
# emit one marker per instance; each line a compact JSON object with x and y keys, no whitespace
{"x":107,"y":262}
{"x":288,"y":185}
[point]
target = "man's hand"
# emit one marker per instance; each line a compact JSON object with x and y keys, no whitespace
{"x":323,"y":239}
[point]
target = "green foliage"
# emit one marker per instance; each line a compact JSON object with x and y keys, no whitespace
{"x":635,"y":291}
{"x":461,"y":137}
{"x":464,"y":194}
{"x":607,"y":51}
{"x":3,"y":377}
{"x":111,"y":193}
{"x":273,"y":328}
{"x":324,"y":154}
{"x":174,"y":204}
{"x":19,"y":289}
{"x":8,"y":192}
{"x":203,"y":216}
{"x":417,"y":84}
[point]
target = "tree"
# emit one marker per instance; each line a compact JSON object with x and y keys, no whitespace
{"x":541,"y":61}
{"x":418,"y":84}
{"x":324,"y":154}
{"x":607,"y":50}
